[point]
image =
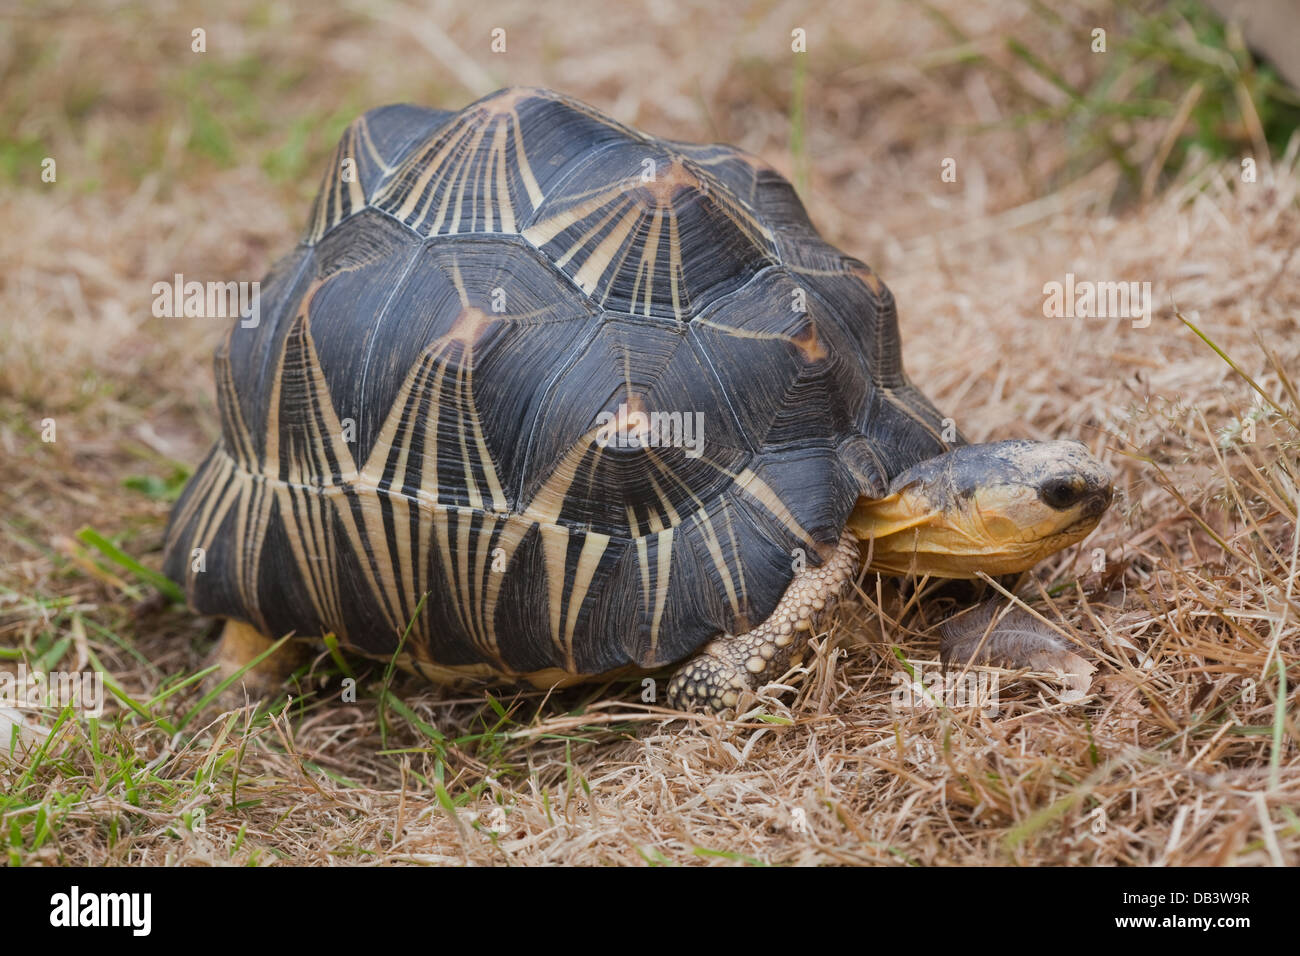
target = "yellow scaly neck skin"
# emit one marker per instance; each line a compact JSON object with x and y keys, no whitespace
{"x":1002,"y":530}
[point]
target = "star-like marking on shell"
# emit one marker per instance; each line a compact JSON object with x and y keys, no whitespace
{"x":809,"y":343}
{"x":664,"y":187}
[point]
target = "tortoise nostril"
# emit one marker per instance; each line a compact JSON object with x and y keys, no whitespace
{"x":1061,"y":493}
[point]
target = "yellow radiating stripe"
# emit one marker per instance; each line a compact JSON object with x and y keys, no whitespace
{"x":488,"y":163}
{"x":540,"y":233}
{"x":757,"y":489}
{"x":735,"y":553}
{"x":467,"y":465}
{"x":455,"y":134}
{"x":372,"y":551}
{"x":741,"y":333}
{"x":546,"y":505}
{"x":598,"y":261}
{"x":720,"y":562}
{"x":450,"y":560}
{"x":513,"y":528}
{"x":661,"y":587}
{"x":479,"y":578}
{"x":199,"y":494}
{"x":461,"y":583}
{"x":462,"y":179}
{"x":237,"y":489}
{"x":442,"y":524}
{"x":313,"y":221}
{"x":485,"y":457}
{"x":240,"y":550}
{"x":315,"y":569}
{"x":326,"y":559}
{"x":525,"y":168}
{"x":499,"y":502}
{"x":261,"y":522}
{"x":581,"y":242}
{"x":400,"y":504}
{"x":321,"y":209}
{"x":271,"y":442}
{"x":214,"y":511}
{"x":412,"y":559}
{"x":649,"y":255}
{"x":643,"y":559}
{"x":284,"y":495}
{"x":465,"y":394}
{"x":356,"y":195}
{"x":445,"y":187}
{"x":372,"y":149}
{"x":336,"y":182}
{"x":673,"y":517}
{"x":424,"y":529}
{"x":459,"y":282}
{"x":318,"y":392}
{"x":377,"y":461}
{"x":243,"y":551}
{"x":429,"y":478}
{"x":741,"y":215}
{"x":593,"y":547}
{"x":627,"y":248}
{"x":555,"y":547}
{"x":674,"y":263}
{"x":371,"y":545}
{"x":504,"y":201}
{"x":229,"y":400}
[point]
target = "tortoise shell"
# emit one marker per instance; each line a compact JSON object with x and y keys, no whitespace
{"x":457,"y":418}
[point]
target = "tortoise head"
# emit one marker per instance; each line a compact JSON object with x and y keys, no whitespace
{"x":999,"y":508}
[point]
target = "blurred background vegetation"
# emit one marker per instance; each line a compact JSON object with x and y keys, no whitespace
{"x":280,"y":105}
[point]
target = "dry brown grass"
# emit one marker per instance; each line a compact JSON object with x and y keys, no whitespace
{"x":1181,"y":743}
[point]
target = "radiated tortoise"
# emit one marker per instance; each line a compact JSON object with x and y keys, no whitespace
{"x":554,"y":398}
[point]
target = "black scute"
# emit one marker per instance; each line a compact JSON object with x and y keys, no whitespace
{"x":367,"y":156}
{"x":627,"y":364}
{"x":451,"y":182}
{"x":791,"y":375}
{"x":798,"y":244}
{"x":612,"y":226}
{"x":373,"y":325}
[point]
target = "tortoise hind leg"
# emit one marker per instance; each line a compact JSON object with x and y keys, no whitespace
{"x":714,"y":678}
{"x":241,"y":643}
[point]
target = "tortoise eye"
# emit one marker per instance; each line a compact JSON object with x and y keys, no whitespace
{"x":1061,"y":493}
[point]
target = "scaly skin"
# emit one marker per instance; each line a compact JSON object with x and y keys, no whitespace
{"x":714,"y":678}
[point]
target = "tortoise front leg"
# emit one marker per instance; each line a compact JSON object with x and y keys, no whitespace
{"x":713,"y":679}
